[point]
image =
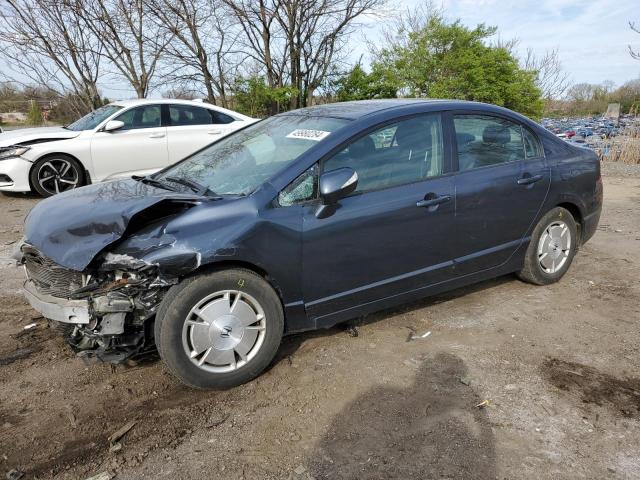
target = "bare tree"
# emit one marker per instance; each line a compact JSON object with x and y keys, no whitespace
{"x":551,"y":79}
{"x":298,"y":41}
{"x":634,"y":53}
{"x":316,"y":33}
{"x":396,"y":29}
{"x":43,"y":43}
{"x":262,"y":41}
{"x":129,"y":38}
{"x":203,"y":50}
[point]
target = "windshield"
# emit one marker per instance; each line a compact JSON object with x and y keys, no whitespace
{"x":93,"y":119}
{"x":238,"y":164}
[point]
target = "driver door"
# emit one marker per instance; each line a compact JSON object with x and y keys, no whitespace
{"x":139,"y":147}
{"x":391,"y":236}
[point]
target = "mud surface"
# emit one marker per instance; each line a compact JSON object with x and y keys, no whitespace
{"x":558,"y":367}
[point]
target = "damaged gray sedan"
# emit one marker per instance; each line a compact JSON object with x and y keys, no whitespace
{"x":302,"y":221}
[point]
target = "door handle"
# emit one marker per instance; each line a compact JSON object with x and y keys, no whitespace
{"x":529,"y":180}
{"x":156,"y":135}
{"x":432,"y":202}
{"x":214,"y":132}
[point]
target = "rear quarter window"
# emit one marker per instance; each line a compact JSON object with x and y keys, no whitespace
{"x":532,"y":146}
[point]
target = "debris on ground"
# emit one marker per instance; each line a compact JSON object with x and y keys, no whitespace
{"x":484,"y":403}
{"x":14,"y":474}
{"x":30,"y":326}
{"x":115,"y":448}
{"x":418,"y":337}
{"x":101,"y":476}
{"x":300,"y":469}
{"x":72,"y":418}
{"x":115,"y":437}
{"x":412,"y":332}
{"x":352,"y":330}
{"x":17,"y":354}
{"x":465,"y":381}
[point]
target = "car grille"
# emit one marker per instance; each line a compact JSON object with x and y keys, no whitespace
{"x":49,"y":277}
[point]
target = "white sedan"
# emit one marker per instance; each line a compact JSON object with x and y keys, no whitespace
{"x":135,"y":137}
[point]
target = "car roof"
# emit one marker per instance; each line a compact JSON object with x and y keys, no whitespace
{"x":144,"y":101}
{"x":174,"y":101}
{"x":359,"y":108}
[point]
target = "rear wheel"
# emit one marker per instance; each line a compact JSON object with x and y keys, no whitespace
{"x":552,"y":247}
{"x":219,"y":330}
{"x":56,"y":174}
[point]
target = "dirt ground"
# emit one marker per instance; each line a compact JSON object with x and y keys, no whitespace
{"x":558,"y":367}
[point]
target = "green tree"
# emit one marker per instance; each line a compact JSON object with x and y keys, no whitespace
{"x":357,"y":84}
{"x":449,"y":60}
{"x":34,"y":117}
{"x":255,"y":98}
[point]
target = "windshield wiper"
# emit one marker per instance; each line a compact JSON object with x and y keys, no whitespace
{"x":153,"y":182}
{"x":195,"y":186}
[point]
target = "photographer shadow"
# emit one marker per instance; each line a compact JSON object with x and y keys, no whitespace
{"x":433,"y":429}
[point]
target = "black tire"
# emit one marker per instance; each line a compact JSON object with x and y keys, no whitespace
{"x":55,"y":165}
{"x":533,"y":271}
{"x":179,"y":301}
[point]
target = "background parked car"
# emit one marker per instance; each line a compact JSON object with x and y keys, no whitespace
{"x":118,"y":140}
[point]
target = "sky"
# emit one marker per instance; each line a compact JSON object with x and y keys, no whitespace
{"x":592,"y":36}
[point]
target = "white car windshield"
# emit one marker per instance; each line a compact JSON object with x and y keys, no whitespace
{"x":93,"y":119}
{"x":239,"y":163}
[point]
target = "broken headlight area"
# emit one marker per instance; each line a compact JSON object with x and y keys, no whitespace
{"x":118,"y":298}
{"x":123,"y":295}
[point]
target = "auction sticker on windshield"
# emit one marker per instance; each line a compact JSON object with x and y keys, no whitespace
{"x":306,"y":134}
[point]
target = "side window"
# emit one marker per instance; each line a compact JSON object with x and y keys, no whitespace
{"x":302,"y":189}
{"x":180,"y":115}
{"x":485,"y":140}
{"x":404,"y":152}
{"x":147,"y":116}
{"x":532,"y":148}
{"x":189,"y":115}
{"x":220,"y":118}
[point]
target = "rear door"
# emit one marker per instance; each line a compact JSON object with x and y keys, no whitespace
{"x":501,"y":184}
{"x":139,"y":147}
{"x":393,"y":235}
{"x":191,"y":128}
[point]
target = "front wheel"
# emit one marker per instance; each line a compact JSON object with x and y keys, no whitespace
{"x":55,"y":174}
{"x":219,"y":330}
{"x":553,"y":245}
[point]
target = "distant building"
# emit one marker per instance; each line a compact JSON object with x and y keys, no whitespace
{"x":13,"y":117}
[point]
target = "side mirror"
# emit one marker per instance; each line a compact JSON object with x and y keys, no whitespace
{"x":335,"y":185}
{"x":113,"y":125}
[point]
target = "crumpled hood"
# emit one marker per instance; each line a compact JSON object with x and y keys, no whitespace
{"x":71,"y":228}
{"x":27,"y":135}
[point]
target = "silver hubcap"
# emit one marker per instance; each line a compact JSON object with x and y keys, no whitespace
{"x":554,"y":247}
{"x":224,"y":331}
{"x":57,"y":175}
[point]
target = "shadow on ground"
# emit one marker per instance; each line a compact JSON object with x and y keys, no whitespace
{"x":432,"y":429}
{"x":290,"y":344}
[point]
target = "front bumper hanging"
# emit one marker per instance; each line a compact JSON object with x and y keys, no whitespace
{"x":58,"y":309}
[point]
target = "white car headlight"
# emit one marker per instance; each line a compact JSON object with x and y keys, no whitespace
{"x":9,"y":152}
